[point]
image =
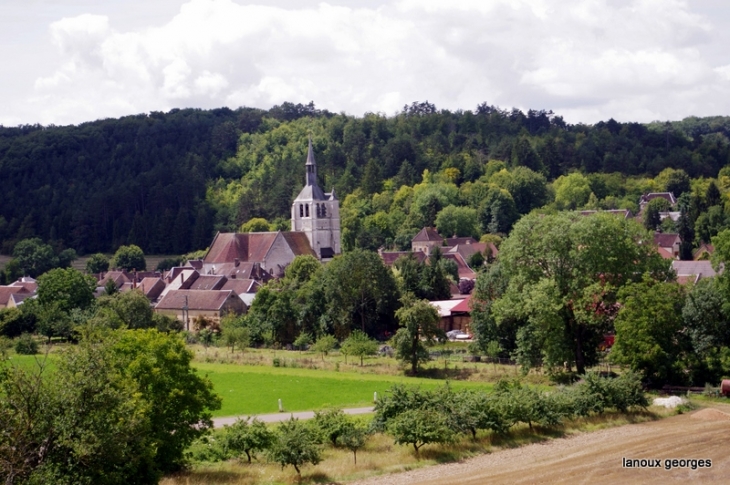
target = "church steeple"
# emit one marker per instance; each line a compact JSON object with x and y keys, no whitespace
{"x":311,"y":166}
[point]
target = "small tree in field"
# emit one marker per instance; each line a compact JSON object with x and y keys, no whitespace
{"x":359,"y":345}
{"x":324,"y":345}
{"x":303,"y":341}
{"x":296,"y":444}
{"x":353,"y":438}
{"x":332,"y":423}
{"x":419,"y":427}
{"x":247,"y":436}
{"x":419,"y":327}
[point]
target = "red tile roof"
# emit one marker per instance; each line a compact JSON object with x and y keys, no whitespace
{"x":208,"y":282}
{"x":453,"y":241}
{"x":666,"y":240}
{"x":298,"y":243}
{"x":464,"y":270}
{"x":151,"y":287}
{"x":463,"y":306}
{"x":241,"y":286}
{"x":427,"y":234}
{"x":390,"y":257}
{"x":6,"y":291}
{"x":196,"y":300}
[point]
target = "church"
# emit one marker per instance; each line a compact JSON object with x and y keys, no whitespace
{"x":315,"y":230}
{"x":316,"y":213}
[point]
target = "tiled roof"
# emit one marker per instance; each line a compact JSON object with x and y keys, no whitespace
{"x":686,"y":268}
{"x":390,"y":257}
{"x":298,"y":243}
{"x":196,"y":300}
{"x":241,"y":286}
{"x":664,"y":253}
{"x":464,"y":270}
{"x":151,"y":287}
{"x":666,"y":240}
{"x":668,"y":196}
{"x":427,"y":234}
{"x":242,"y":271}
{"x":625,"y":213}
{"x":453,"y":241}
{"x":31,"y":286}
{"x":464,"y":306}
{"x":208,"y":282}
{"x":6,"y":291}
{"x":445,"y":307}
{"x":466,"y":250}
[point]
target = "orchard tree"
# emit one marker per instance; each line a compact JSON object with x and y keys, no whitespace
{"x":130,"y":258}
{"x":419,"y":327}
{"x":419,"y":427}
{"x":360,"y":345}
{"x":296,"y":444}
{"x":324,"y":345}
{"x":564,"y":272}
{"x":249,"y":436}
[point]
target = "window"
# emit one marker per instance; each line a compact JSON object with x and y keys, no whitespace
{"x":301,"y":210}
{"x":306,"y":210}
{"x":324,"y":210}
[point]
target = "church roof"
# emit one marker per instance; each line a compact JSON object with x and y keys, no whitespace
{"x":311,"y":192}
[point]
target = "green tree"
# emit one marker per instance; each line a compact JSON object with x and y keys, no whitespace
{"x":419,"y":327}
{"x":360,"y":345}
{"x":249,"y":436}
{"x":302,"y":269}
{"x":84,"y":423}
{"x":360,"y":291}
{"x":419,"y":427}
{"x":353,"y":437}
{"x":179,"y":399}
{"x":66,"y":288}
{"x":303,"y":341}
{"x":434,"y":283}
{"x":324,"y":345}
{"x":257,"y":224}
{"x":296,"y":444}
{"x":458,"y":221}
{"x":33,"y":257}
{"x":652,"y":219}
{"x":650,"y":330}
{"x":97,"y":263}
{"x":130,"y":309}
{"x":572,"y":191}
{"x":332,"y":423}
{"x":528,"y":189}
{"x":563,"y":278}
{"x":130,"y":258}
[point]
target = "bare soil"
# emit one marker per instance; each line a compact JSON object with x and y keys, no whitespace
{"x":596,"y":457}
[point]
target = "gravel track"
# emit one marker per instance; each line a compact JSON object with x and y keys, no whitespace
{"x":593,"y":458}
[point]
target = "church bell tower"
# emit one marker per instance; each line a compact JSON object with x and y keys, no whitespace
{"x":316,"y":213}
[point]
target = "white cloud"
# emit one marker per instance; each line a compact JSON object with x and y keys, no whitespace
{"x":586,"y":59}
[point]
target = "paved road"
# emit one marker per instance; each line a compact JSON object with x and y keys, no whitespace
{"x":277,"y":417}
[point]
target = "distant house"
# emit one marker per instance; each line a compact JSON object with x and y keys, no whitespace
{"x":454,"y":314}
{"x":646,"y":198}
{"x":703,"y":252}
{"x":488,"y":250}
{"x":12,"y":296}
{"x":426,"y":239}
{"x":390,"y":257}
{"x":692,"y":271}
{"x":669,"y":242}
{"x":187,"y":305}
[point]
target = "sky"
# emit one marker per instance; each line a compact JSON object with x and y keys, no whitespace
{"x":71,"y":61}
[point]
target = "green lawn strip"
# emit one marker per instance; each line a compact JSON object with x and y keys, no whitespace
{"x":257,"y":389}
{"x":31,"y":361}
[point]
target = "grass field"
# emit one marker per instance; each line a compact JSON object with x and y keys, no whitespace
{"x":152,"y":261}
{"x":257,"y":389}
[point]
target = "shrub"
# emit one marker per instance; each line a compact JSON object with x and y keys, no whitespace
{"x":246,"y":437}
{"x":296,"y":444}
{"x":332,"y":423}
{"x":26,"y":345}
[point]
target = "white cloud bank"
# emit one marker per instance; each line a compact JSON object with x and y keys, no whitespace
{"x":633,"y":60}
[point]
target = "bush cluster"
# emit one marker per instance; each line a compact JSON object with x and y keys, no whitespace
{"x":416,"y":417}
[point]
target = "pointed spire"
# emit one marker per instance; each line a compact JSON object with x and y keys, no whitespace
{"x":311,"y":166}
{"x":310,"y":153}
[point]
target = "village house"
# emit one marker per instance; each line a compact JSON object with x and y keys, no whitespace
{"x":188,"y":305}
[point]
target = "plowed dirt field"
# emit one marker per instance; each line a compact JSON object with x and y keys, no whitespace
{"x":597,"y":457}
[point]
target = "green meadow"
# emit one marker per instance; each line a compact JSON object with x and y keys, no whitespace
{"x":257,"y":389}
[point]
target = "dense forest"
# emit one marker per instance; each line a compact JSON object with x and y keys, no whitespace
{"x":167,"y":181}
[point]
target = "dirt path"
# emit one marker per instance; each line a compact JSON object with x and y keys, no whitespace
{"x":595,"y":458}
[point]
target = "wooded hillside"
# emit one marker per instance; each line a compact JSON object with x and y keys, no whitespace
{"x":167,"y":181}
